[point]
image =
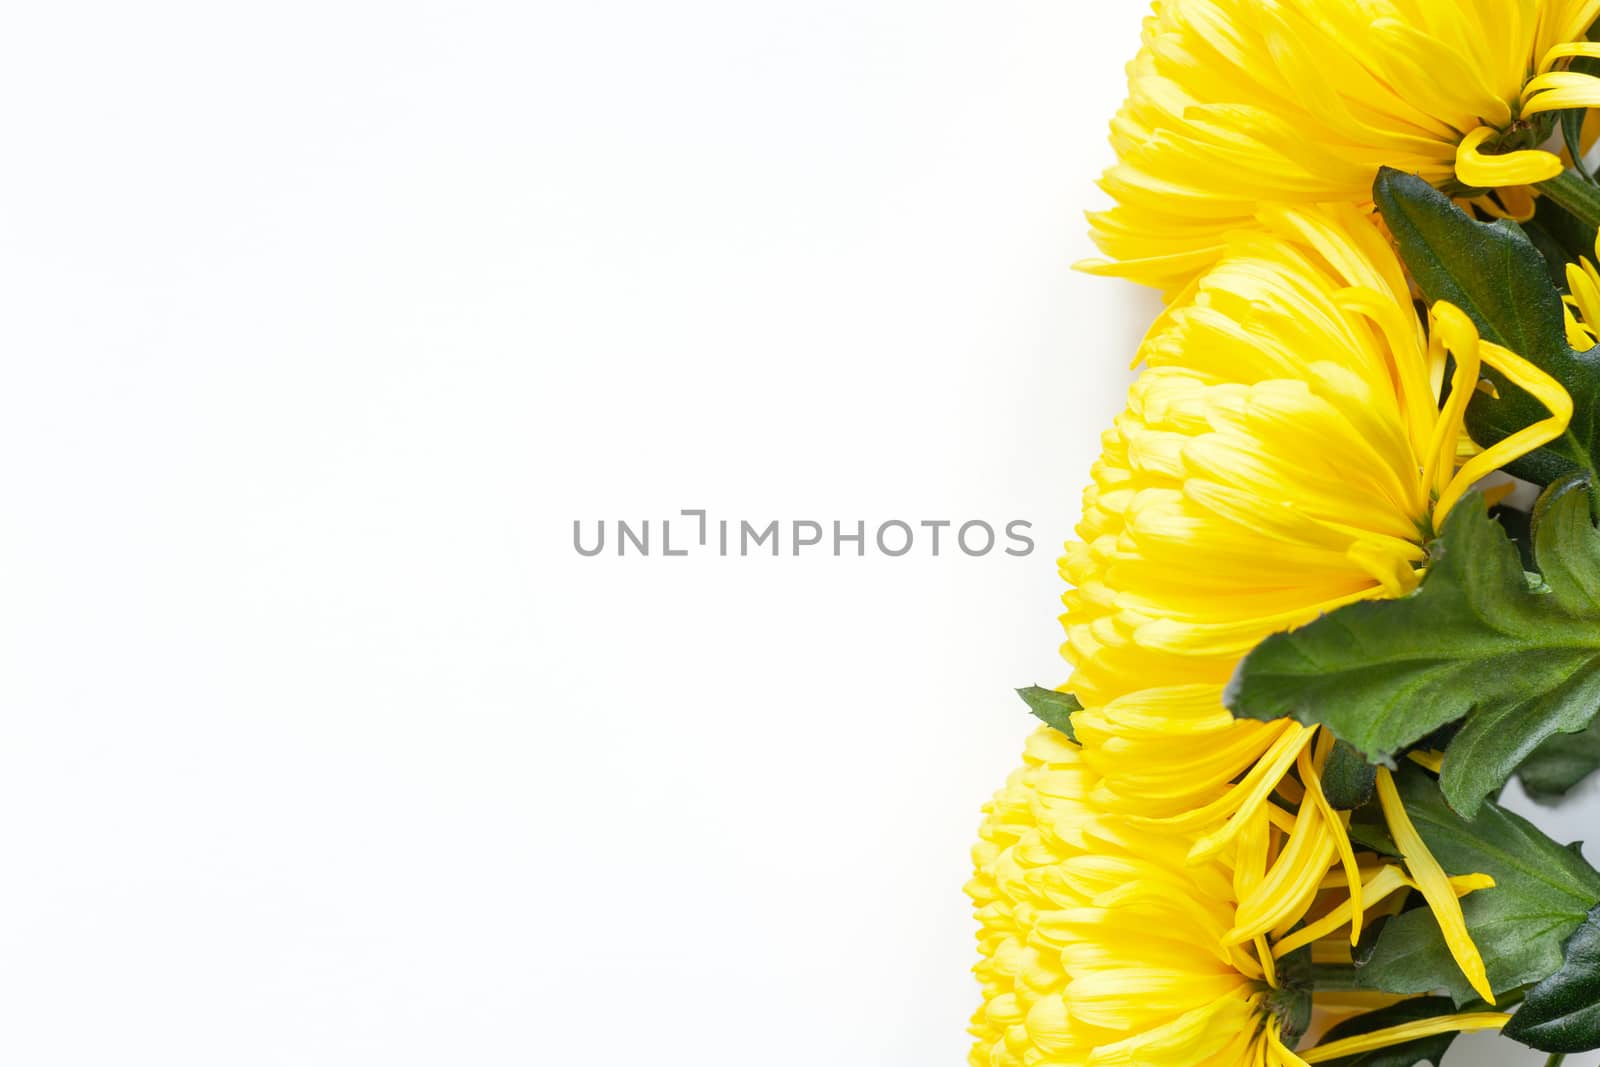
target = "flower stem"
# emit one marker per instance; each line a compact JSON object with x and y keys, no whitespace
{"x":1556,"y":1059}
{"x":1580,"y":198}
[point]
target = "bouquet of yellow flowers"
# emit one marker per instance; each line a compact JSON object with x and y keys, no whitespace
{"x":1337,"y":578}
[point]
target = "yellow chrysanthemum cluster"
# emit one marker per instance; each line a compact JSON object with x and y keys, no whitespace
{"x":1290,"y":446}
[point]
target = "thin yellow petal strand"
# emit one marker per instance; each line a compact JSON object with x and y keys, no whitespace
{"x":1435,"y":886}
{"x":1347,"y":855}
{"x":1260,"y":783}
{"x":1386,"y":882}
{"x":1399,"y":1035}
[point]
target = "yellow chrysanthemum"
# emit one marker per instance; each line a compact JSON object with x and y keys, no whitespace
{"x":1285,"y":451}
{"x":1234,"y":103}
{"x":1100,"y":949}
{"x":1101,"y":945}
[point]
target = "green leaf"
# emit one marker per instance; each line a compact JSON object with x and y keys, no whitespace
{"x":1422,"y":1050}
{"x":1560,"y":764}
{"x":1562,"y":1013}
{"x":1374,"y":838}
{"x":1543,"y":891}
{"x":1053,"y":708}
{"x":1494,"y":273}
{"x":1520,"y":664}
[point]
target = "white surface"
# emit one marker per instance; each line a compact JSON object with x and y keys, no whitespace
{"x":321,"y":324}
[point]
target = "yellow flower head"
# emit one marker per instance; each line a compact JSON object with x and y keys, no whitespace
{"x":1286,"y":450}
{"x":1101,"y":946}
{"x":1105,"y":946}
{"x":1234,"y":103}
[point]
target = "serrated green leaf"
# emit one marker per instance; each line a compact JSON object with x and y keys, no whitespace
{"x":1543,"y":891}
{"x":1052,"y":707}
{"x":1494,"y":273}
{"x":1520,"y":665}
{"x":1562,"y":1013}
{"x":1499,"y":738}
{"x":1560,"y":764}
{"x":1422,"y":1050}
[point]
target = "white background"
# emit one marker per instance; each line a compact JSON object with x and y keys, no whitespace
{"x":321,"y":323}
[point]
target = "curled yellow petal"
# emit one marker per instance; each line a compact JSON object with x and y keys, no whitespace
{"x":1559,"y":90}
{"x":1435,"y":886}
{"x":1481,"y":170}
{"x":1461,"y":337}
{"x":1451,"y":332}
{"x":1570,"y":50}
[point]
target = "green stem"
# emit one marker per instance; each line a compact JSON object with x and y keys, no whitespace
{"x":1556,"y":1059}
{"x":1579,"y":197}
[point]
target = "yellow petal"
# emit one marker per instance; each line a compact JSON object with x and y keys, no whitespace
{"x":1484,"y":171}
{"x":1399,"y":1035}
{"x":1435,"y":886}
